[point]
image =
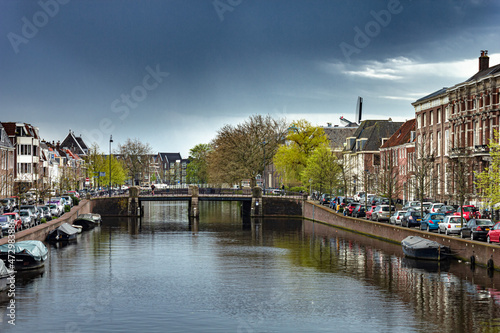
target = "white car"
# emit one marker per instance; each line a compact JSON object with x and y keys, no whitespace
{"x":435,"y":207}
{"x":451,"y":225}
{"x":396,"y":217}
{"x":358,"y":195}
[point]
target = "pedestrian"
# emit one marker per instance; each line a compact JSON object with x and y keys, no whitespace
{"x":153,"y":189}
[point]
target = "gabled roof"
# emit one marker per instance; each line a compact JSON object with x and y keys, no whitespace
{"x":402,"y":135}
{"x":76,"y":144}
{"x":337,"y":136}
{"x":4,"y":139}
{"x":374,"y":131}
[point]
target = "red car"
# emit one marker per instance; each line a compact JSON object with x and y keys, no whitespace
{"x":494,"y":234}
{"x":470,"y":211}
{"x":370,"y":212}
{"x":17,"y":220}
{"x":350,"y":208}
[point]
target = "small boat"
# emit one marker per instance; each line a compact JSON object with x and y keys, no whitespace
{"x":422,"y":248}
{"x":96,"y":217}
{"x":77,"y":227}
{"x":5,"y":273}
{"x":24,"y":254}
{"x":64,"y":232}
{"x":85,"y":222}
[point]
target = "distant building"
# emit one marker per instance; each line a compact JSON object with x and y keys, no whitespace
{"x":396,"y":156}
{"x":172,"y":168}
{"x":362,"y":154}
{"x":7,"y":152}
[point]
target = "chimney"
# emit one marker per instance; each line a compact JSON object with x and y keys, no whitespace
{"x":484,"y":60}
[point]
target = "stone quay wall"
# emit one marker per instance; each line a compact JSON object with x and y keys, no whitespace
{"x":482,"y":253}
{"x":41,"y":231}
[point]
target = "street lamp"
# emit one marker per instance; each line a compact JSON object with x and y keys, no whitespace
{"x":264,"y":170}
{"x":110,"y":140}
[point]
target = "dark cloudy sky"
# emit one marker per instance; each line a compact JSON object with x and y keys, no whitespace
{"x":172,"y":72}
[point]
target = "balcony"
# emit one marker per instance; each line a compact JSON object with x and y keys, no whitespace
{"x":481,"y":149}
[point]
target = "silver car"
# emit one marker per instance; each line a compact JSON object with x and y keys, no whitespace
{"x":451,"y":225}
{"x":396,"y":217}
{"x":27,"y":218}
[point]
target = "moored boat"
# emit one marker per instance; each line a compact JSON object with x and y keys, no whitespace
{"x":64,"y":232}
{"x":95,"y":217}
{"x":5,"y":273}
{"x":24,"y":254}
{"x":422,"y":248}
{"x":85,"y":222}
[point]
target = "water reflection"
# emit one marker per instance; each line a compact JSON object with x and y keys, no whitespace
{"x":450,"y":294}
{"x":223,"y":273}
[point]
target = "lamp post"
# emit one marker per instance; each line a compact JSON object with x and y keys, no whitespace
{"x":264,"y":170}
{"x":110,"y":140}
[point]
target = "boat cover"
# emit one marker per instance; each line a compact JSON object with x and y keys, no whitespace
{"x":416,"y":243}
{"x":3,"y":270}
{"x":67,"y":229}
{"x":33,"y":247}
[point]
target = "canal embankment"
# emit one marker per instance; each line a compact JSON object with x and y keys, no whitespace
{"x":483,"y":254}
{"x":41,"y":231}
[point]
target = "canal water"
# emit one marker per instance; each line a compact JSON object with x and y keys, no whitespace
{"x":223,"y":274}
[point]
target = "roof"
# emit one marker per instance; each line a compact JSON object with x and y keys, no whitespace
{"x":374,"y":131}
{"x":170,"y":157}
{"x":76,"y":144}
{"x":4,"y":139}
{"x":489,"y":71}
{"x":434,"y":94}
{"x":337,"y":136}
{"x":402,"y":135}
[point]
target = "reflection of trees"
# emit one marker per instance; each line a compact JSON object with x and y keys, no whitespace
{"x":444,"y":294}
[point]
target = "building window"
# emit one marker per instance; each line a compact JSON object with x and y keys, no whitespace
{"x":431,"y":118}
{"x":446,"y":141}
{"x":24,"y":150}
{"x":419,"y":117}
{"x":423,"y":120}
{"x":438,"y":116}
{"x":438,"y":138}
{"x":438,"y":187}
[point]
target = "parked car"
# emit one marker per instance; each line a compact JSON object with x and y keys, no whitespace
{"x":469,"y":212}
{"x":13,"y":201}
{"x":494,"y":234}
{"x":396,"y":217}
{"x":16,"y":219}
{"x":435,"y":207}
{"x":34,"y":211}
{"x":447,"y":210}
{"x":68,"y":199}
{"x":76,"y":194}
{"x":451,"y":225}
{"x":431,"y":221}
{"x":349,"y":208}
{"x":476,"y":229}
{"x":7,"y":205}
{"x":59,"y":202}
{"x":28,"y":219}
{"x":46,"y":214}
{"x":381,"y":213}
{"x":54,"y":210}
{"x":411,"y":204}
{"x":427,"y":206}
{"x":359,"y":211}
{"x":324,"y":199}
{"x":358,"y":195}
{"x":369,"y":212}
{"x":411,"y":219}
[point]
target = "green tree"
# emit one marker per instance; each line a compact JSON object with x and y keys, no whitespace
{"x":97,"y":163}
{"x":302,"y":139}
{"x":487,"y":181}
{"x":322,"y":169}
{"x":197,"y":169}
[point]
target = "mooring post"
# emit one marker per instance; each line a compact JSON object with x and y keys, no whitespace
{"x":194,"y":210}
{"x":257,"y":202}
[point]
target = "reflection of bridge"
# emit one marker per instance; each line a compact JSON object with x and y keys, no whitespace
{"x":253,"y":203}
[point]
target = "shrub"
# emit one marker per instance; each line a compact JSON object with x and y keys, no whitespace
{"x":75,"y":200}
{"x":43,"y":220}
{"x":67,"y":208}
